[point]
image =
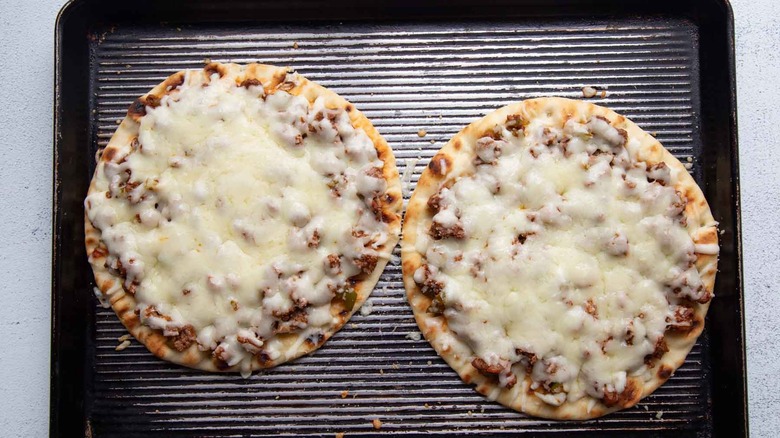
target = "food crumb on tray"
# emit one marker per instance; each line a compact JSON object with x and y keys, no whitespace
{"x":376,"y":423}
{"x":588,"y":91}
{"x":414,"y":336}
{"x":421,"y":133}
{"x":122,"y":346}
{"x":344,"y":393}
{"x":367,"y":307}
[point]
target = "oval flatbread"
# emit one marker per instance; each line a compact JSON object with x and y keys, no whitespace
{"x":559,"y":258}
{"x":239,"y":216}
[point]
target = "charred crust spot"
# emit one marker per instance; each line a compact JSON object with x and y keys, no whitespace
{"x":174,"y":82}
{"x":137,"y":109}
{"x":467,"y":379}
{"x":664,"y":372}
{"x":630,"y":395}
{"x":109,"y":154}
{"x":349,"y":107}
{"x":440,"y":164}
{"x":315,"y":340}
{"x":151,"y":100}
{"x":214,"y":67}
{"x":250,"y":82}
{"x":457,"y":144}
{"x":219,"y":363}
{"x":263,"y":358}
{"x":610,"y":398}
{"x":389,"y":198}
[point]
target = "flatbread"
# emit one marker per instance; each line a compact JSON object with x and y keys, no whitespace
{"x":533,"y":323}
{"x":239,"y":216}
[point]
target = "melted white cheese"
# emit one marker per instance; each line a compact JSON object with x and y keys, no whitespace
{"x":234,"y":217}
{"x":575,"y":246}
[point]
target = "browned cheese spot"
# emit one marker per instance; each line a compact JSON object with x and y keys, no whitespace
{"x":457,"y":144}
{"x":440,"y":164}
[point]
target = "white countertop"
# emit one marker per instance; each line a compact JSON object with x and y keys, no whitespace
{"x":26,"y":85}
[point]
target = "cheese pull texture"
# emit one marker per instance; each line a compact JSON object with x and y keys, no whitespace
{"x":240,"y":214}
{"x":571,"y":263}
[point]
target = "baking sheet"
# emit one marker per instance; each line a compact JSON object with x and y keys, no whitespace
{"x":436,"y":75}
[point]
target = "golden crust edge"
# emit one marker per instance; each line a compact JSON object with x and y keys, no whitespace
{"x":123,"y":303}
{"x":679,"y":345}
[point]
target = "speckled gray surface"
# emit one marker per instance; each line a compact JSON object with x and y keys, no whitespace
{"x":26,"y":45}
{"x":758,"y":85}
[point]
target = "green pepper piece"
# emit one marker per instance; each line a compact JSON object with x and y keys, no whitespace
{"x":350,"y":297}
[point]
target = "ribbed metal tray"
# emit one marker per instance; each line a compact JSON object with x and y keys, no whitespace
{"x":436,"y":73}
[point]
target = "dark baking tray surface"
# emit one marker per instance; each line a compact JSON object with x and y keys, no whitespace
{"x":408,"y":65}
